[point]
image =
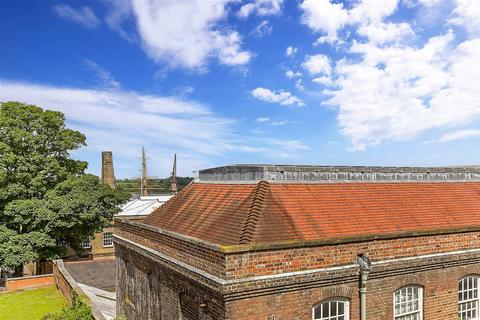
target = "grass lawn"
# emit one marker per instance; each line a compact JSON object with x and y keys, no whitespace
{"x":30,"y":304}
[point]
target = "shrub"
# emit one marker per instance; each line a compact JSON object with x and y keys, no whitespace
{"x":78,"y":311}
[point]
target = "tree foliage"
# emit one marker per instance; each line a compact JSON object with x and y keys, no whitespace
{"x":45,"y":195}
{"x":79,"y":310}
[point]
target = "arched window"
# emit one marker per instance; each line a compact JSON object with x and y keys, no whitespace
{"x":153,"y":297}
{"x":408,"y":303}
{"x":469,"y":298}
{"x":331,"y":309}
{"x":188,"y":307}
{"x":130,"y":281}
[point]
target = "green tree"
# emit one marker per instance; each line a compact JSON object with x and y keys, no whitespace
{"x":45,"y":195}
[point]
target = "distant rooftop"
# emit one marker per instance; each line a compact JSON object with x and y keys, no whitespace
{"x":245,"y":173}
{"x":143,"y":206}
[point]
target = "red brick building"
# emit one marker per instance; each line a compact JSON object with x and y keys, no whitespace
{"x":307,"y":242}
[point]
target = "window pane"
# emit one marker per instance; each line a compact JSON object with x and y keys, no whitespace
{"x":407,"y":303}
{"x":468,"y":302}
{"x":331,"y":310}
{"x":325,"y":310}
{"x":85,"y":244}
{"x":107,"y":239}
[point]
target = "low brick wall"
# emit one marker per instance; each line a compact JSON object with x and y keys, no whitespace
{"x":30,"y":282}
{"x":64,"y":281}
{"x":67,"y":285}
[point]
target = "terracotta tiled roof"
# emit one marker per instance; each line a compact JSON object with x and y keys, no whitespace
{"x":274,"y":212}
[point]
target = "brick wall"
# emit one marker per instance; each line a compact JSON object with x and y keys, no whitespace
{"x":266,"y":262}
{"x":63,"y":280}
{"x":193,"y":253}
{"x":30,"y":282}
{"x":156,"y":290}
{"x":67,"y":285}
{"x":285,"y":283}
{"x":146,"y":289}
{"x":292,"y":306}
{"x":242,"y":265}
{"x":439,"y":296}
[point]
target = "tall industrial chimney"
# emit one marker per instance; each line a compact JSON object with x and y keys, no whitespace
{"x":108,"y":176}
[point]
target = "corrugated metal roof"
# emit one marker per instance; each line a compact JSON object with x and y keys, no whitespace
{"x":143,"y":206}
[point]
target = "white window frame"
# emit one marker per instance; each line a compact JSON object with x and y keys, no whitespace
{"x":108,"y":234}
{"x":83,"y":246}
{"x":464,"y":287}
{"x":346,"y":309}
{"x":408,"y":314}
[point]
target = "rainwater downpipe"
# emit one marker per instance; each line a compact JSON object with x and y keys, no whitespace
{"x":365,"y":265}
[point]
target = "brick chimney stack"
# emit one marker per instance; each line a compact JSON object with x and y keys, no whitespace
{"x":108,"y":176}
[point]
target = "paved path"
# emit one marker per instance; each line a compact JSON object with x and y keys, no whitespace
{"x":103,"y":300}
{"x":97,"y":279}
{"x":98,"y":273}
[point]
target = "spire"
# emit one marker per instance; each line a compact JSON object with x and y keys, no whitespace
{"x":144,"y":180}
{"x":173,"y":178}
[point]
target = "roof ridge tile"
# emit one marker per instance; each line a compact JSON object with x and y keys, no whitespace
{"x":258,"y":203}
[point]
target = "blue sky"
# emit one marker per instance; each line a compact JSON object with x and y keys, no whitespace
{"x":367,"y":82}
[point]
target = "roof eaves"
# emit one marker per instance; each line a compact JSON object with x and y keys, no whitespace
{"x":252,"y":247}
{"x":341,"y":240}
{"x":172,"y":234}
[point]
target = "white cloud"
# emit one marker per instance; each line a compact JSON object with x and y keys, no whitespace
{"x":119,"y":12}
{"x":291,"y":51}
{"x":290,"y":74}
{"x":467,"y":14}
{"x":372,"y":11}
{"x":388,"y":87}
{"x":317,"y":64}
{"x":122,"y":121}
{"x":428,"y":3}
{"x":264,"y":28}
{"x":324,"y":16}
{"x":269,"y":121}
{"x":299,"y":85}
{"x":460,"y":135}
{"x":328,"y":18}
{"x":324,"y":80}
{"x":291,"y":147}
{"x":261,"y":8}
{"x":84,"y":15}
{"x":284,"y":98}
{"x":187,"y":33}
{"x":398,"y":92}
{"x":105,"y":77}
{"x":279,"y":122}
{"x":385,"y":32}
